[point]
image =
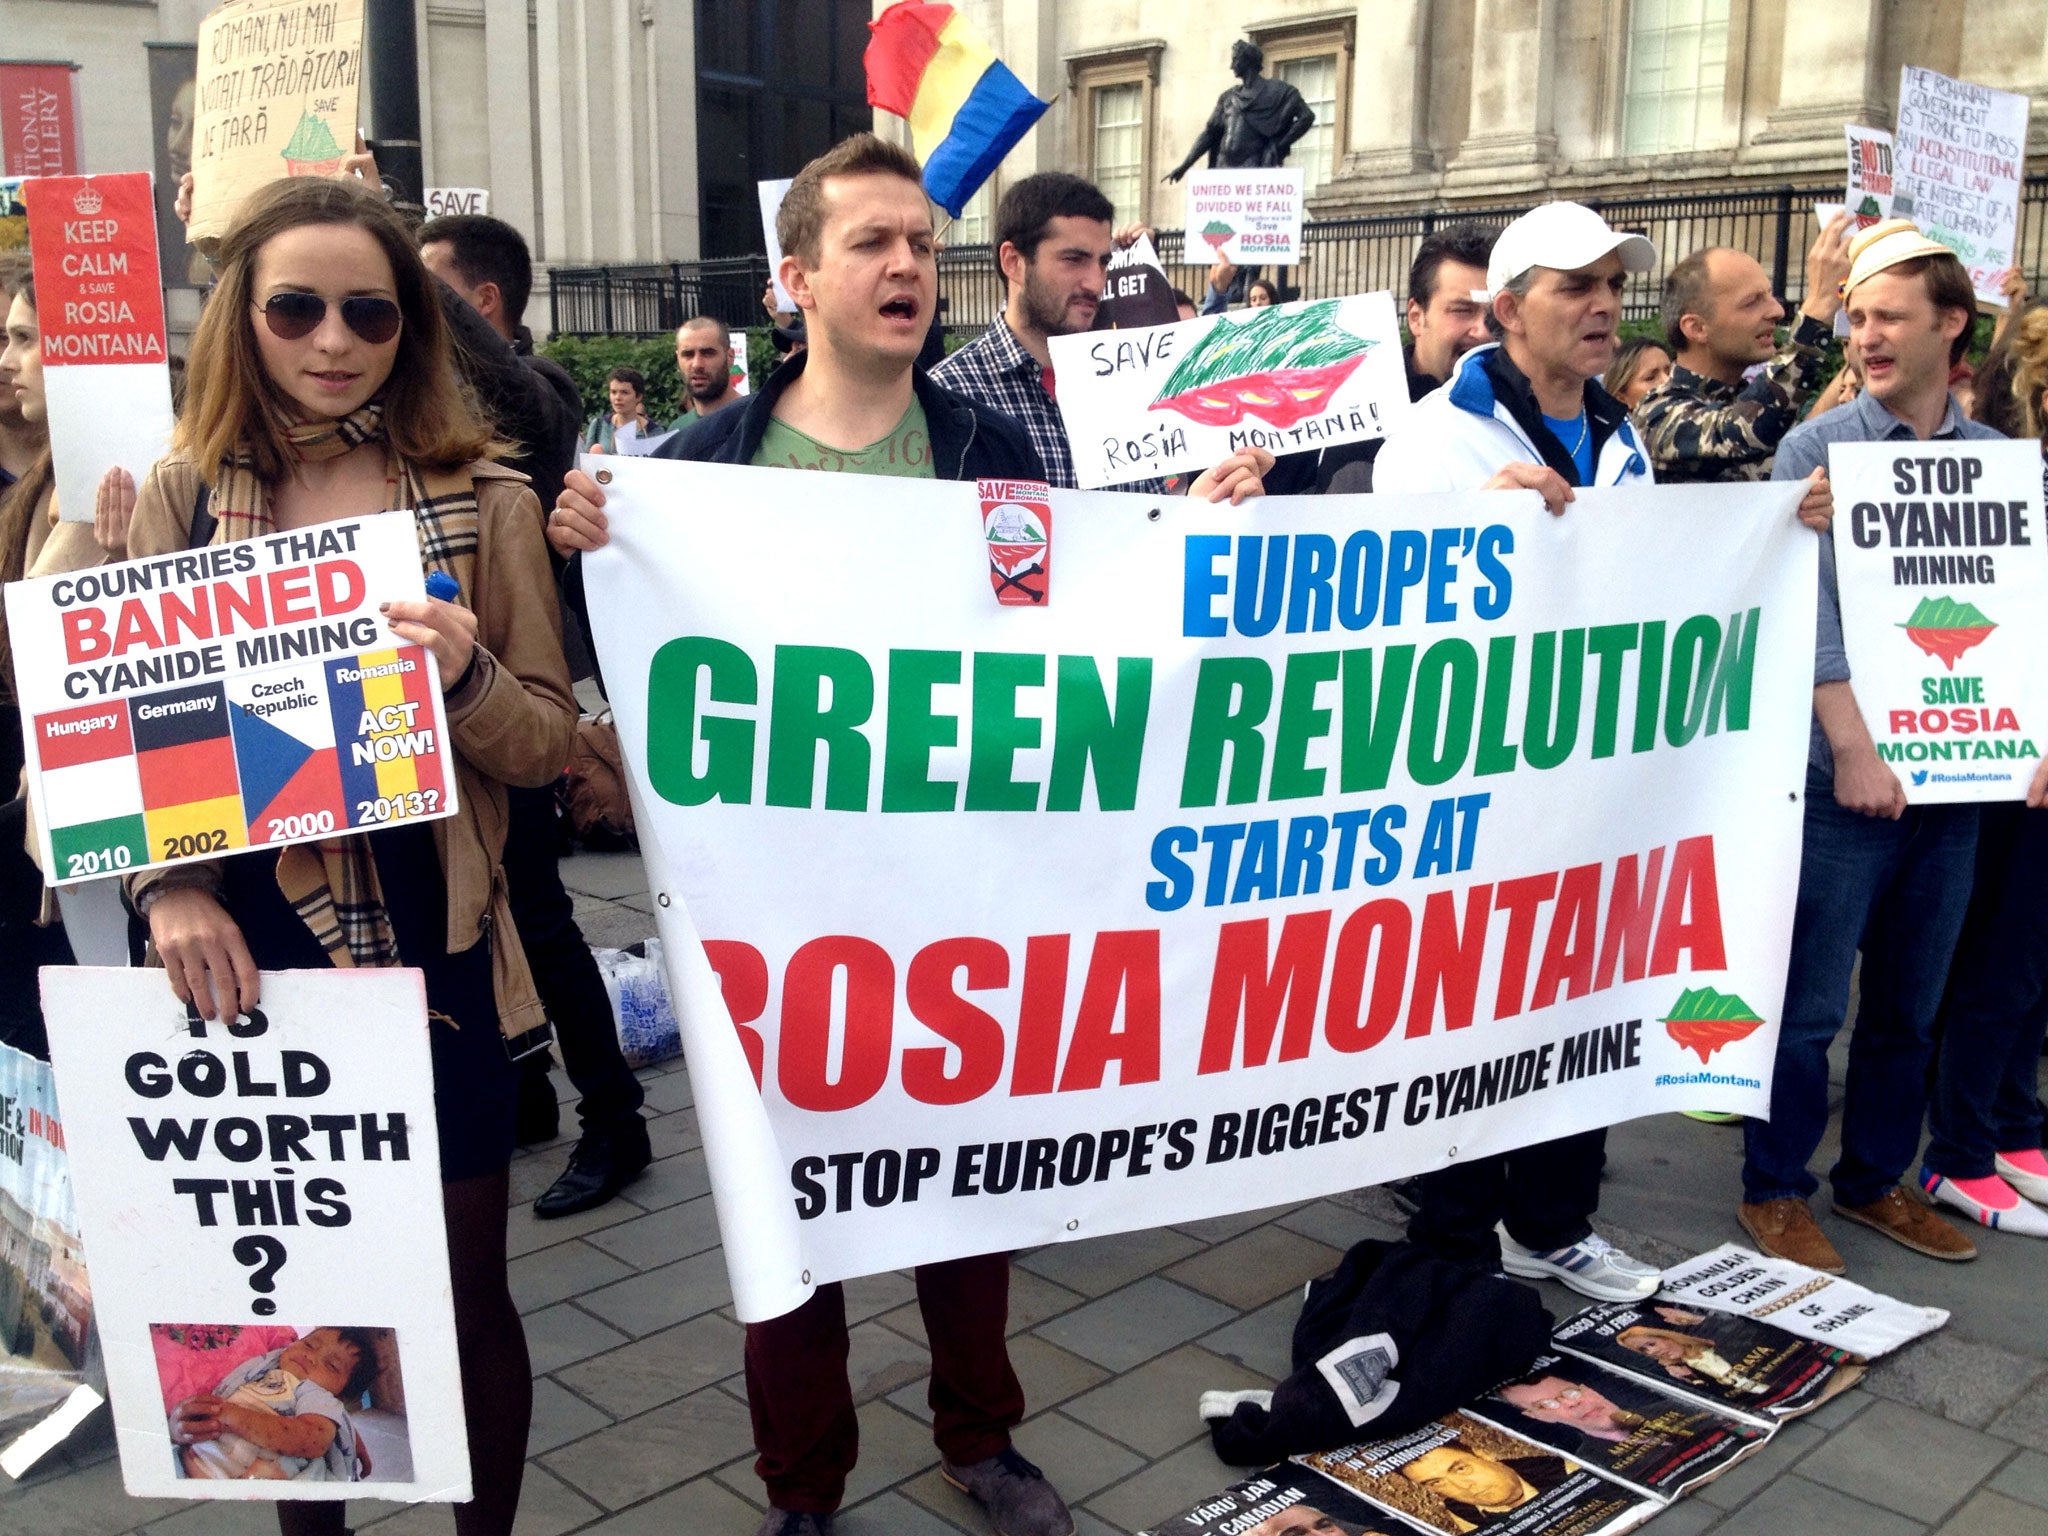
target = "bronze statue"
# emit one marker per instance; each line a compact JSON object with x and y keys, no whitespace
{"x":1255,"y":122}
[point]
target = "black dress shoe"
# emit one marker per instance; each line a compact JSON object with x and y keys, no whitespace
{"x":603,"y":1163}
{"x":540,"y":1117}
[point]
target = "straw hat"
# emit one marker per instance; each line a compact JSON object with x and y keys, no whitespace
{"x":1886,"y":245}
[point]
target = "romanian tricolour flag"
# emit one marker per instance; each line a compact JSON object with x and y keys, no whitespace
{"x":966,"y":110}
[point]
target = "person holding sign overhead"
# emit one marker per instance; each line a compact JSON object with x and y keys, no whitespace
{"x":322,"y":389}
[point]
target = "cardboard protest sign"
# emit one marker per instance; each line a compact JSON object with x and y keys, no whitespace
{"x":1825,"y":1308}
{"x":278,"y":81}
{"x":1246,"y":217}
{"x":1869,"y":188}
{"x":263,"y":1205}
{"x":45,"y":1294}
{"x":446,"y":201}
{"x":1288,"y":378}
{"x":39,"y":119}
{"x":184,"y":706}
{"x":1298,"y":845}
{"x":771,"y":194}
{"x":1944,"y":589}
{"x":1961,"y":154}
{"x":100,"y":308}
{"x":1136,"y":292}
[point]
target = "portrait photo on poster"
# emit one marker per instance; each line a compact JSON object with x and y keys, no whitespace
{"x":316,"y":1404}
{"x":173,"y":101}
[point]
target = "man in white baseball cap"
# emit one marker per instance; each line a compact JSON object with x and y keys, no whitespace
{"x":1529,"y":411}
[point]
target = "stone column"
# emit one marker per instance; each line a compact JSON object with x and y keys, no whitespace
{"x":1833,"y":53}
{"x":1513,"y":82}
{"x":672,"y":109}
{"x":508,"y":115}
{"x":1390,"y":92}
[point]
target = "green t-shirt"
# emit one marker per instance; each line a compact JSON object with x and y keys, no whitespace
{"x":906,"y":451}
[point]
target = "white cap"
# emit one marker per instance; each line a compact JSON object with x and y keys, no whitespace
{"x":1563,"y":237}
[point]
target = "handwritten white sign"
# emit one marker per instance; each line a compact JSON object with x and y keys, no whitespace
{"x":443,"y":201}
{"x":1962,"y":149}
{"x":1247,"y":217}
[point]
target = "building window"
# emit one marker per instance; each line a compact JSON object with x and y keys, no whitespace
{"x":1315,"y":58}
{"x":1315,"y":76}
{"x":977,"y":219}
{"x":1119,"y":159}
{"x":1677,"y":75}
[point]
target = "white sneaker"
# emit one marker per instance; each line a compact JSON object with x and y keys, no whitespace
{"x":1594,"y":1267}
{"x":1989,"y":1202}
{"x":2031,"y":1184}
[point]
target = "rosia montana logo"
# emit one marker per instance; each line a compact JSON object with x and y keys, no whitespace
{"x":1704,"y":1020}
{"x":1945,"y":628}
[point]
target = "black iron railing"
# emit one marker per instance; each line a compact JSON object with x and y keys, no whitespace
{"x":1340,"y":256}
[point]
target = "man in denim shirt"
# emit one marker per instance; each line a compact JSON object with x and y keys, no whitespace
{"x":1878,"y":875}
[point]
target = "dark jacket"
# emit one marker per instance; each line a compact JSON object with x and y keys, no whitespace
{"x":970,"y":441}
{"x":530,"y":400}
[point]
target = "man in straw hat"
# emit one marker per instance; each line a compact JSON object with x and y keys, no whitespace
{"x":1876,"y":873}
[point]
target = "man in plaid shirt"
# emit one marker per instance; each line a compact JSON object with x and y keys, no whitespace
{"x":1053,"y":242}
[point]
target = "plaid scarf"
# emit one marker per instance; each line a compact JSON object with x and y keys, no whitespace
{"x":332,"y":884}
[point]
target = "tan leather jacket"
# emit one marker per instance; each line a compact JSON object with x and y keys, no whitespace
{"x":512,"y":724}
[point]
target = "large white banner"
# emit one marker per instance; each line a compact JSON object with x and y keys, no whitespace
{"x":1944,"y":589}
{"x":262,"y":1205}
{"x":1280,"y":850}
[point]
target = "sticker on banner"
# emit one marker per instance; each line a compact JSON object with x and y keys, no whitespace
{"x":1016,"y":521}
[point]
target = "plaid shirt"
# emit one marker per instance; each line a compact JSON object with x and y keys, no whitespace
{"x":995,"y":370}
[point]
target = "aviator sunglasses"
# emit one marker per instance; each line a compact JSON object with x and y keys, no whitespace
{"x":294,"y":316}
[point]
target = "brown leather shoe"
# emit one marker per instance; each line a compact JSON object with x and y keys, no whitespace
{"x":1785,"y":1229}
{"x":1906,"y":1220}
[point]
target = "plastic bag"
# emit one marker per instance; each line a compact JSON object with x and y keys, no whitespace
{"x":642,"y":1014}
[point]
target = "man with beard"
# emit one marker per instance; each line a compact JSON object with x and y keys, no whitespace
{"x":1053,"y":241}
{"x":704,"y":359}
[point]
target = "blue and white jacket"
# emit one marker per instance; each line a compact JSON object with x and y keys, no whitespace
{"x":1460,"y":436}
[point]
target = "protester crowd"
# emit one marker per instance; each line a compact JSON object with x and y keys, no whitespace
{"x":347,"y":364}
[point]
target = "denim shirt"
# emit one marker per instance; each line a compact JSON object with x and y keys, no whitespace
{"x":1805,"y":449}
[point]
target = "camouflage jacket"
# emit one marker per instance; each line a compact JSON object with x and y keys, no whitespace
{"x":1699,"y":429}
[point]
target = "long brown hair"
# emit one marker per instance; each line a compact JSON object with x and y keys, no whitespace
{"x":231,"y":404}
{"x":2029,"y":343}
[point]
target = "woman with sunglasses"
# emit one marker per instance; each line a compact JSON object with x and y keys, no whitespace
{"x":321,"y":389}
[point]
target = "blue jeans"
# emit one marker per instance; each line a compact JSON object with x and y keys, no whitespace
{"x":1985,"y":1099}
{"x":1896,"y":890}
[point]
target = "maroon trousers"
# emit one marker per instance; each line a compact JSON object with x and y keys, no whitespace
{"x":804,"y":1426}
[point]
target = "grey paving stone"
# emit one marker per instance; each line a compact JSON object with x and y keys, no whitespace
{"x":880,"y":1361}
{"x":1687,"y":1517}
{"x":658,"y":1368}
{"x":215,"y":1518}
{"x":1262,"y":1341}
{"x":1215,"y":1229}
{"x":1905,"y":1460}
{"x":1838,"y":1410}
{"x":1135,"y":1323}
{"x":1328,"y":1221}
{"x":2025,"y":1477}
{"x":1050,"y":1374}
{"x":1792,"y":1506}
{"x":698,"y":1508}
{"x":1032,"y":1300}
{"x":1992,"y":1514}
{"x":642,"y":1456}
{"x":548,"y":1506}
{"x":562,"y":1334}
{"x":664,"y":1296}
{"x":557,"y":1273}
{"x":1097,"y":1265}
{"x":670,"y":1134}
{"x":1077,"y":1459}
{"x":648,"y":1242}
{"x":891,"y":1514}
{"x":611,"y":924}
{"x":871,"y":1295}
{"x":669,"y":1093}
{"x":527,"y":1233}
{"x":2026,"y":1421}
{"x":604,"y":874}
{"x":1741,"y":1482}
{"x":417,"y":1520}
{"x":1086,"y":1524}
{"x":1163,"y":1489}
{"x":894,"y":1447}
{"x":1960,"y":1381}
{"x":87,"y":1501}
{"x":1253,"y":1268}
{"x":1152,"y":1409}
{"x":559,"y":1416}
{"x":669,"y":1181}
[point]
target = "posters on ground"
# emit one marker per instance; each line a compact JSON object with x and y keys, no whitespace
{"x":1291,"y":378}
{"x":45,"y":1294}
{"x":1960,"y":155}
{"x":1748,"y":1368}
{"x":100,"y":308}
{"x":1459,"y":1474}
{"x":1825,"y":1308}
{"x":1285,"y":1500}
{"x":1944,"y":593}
{"x":245,"y":1190}
{"x":1620,"y":1426}
{"x":1245,"y":217}
{"x":1309,"y":843}
{"x":184,"y":706}
{"x":277,"y":89}
{"x":1869,"y":188}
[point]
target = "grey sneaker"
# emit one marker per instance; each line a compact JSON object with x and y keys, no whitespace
{"x":790,"y":1522}
{"x":1018,"y":1499}
{"x":1594,"y":1267}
